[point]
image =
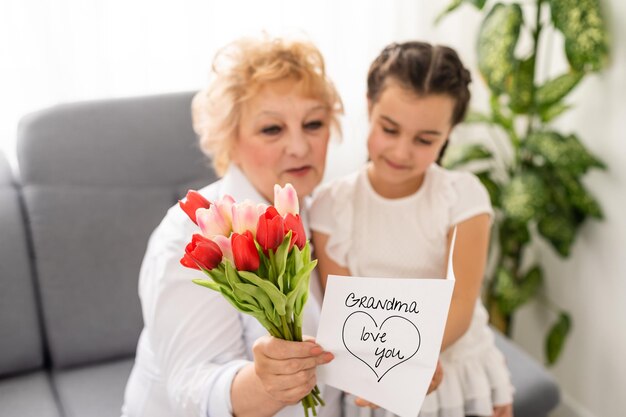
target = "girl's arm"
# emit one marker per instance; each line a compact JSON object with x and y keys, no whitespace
{"x":325,"y":265}
{"x":469,"y":259}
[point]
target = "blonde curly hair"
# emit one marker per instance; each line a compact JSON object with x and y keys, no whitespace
{"x":239,"y":71}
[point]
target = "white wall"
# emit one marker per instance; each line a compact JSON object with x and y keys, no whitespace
{"x":591,"y":284}
{"x":70,"y":50}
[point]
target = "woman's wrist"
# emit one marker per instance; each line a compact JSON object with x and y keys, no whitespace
{"x":249,"y":397}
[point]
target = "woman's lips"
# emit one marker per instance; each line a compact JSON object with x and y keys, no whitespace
{"x":299,"y":171}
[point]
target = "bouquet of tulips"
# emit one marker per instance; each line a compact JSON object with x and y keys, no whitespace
{"x":257,"y":256}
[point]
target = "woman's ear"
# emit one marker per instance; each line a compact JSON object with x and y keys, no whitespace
{"x":369,"y":107}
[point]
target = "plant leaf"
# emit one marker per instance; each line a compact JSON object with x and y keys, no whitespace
{"x":586,"y":37}
{"x":479,"y":4}
{"x":552,"y":112}
{"x":512,"y":236}
{"x":524,"y":197}
{"x":520,"y":90}
{"x":459,"y":155}
{"x":493,"y":188}
{"x":477,"y":117}
{"x":557,"y":88}
{"x":578,"y":196}
{"x":562,"y":152}
{"x":557,"y":336}
{"x":497,"y":39}
{"x":560,"y":230}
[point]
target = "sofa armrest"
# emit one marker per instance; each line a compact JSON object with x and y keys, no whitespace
{"x":536,"y":390}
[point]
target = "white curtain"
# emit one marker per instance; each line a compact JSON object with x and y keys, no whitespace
{"x":54,"y":51}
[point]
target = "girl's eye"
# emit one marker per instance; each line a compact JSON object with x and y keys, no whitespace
{"x":314,"y":125}
{"x":422,"y":141}
{"x":271,"y":130}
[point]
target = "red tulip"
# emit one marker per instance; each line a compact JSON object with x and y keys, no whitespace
{"x":201,"y":253}
{"x":193,"y":202}
{"x":293,"y":222}
{"x":270,"y":229}
{"x":245,"y":252}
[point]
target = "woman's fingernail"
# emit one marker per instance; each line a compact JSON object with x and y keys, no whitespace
{"x":328,"y":356}
{"x":316,"y":350}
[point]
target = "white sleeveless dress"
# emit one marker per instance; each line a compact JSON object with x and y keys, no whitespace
{"x":407,"y":237}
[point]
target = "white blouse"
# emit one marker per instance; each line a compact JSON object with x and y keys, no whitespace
{"x":193,"y":341}
{"x":407,"y":237}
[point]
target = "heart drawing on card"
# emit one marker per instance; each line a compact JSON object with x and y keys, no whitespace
{"x":383,"y":347}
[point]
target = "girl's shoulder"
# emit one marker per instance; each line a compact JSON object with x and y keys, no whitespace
{"x":338,"y":187}
{"x":456,"y":182}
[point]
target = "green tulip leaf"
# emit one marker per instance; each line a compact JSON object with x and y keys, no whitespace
{"x":557,"y":336}
{"x":460,"y":155}
{"x":256,"y":296}
{"x":207,"y":283}
{"x":524,"y":197}
{"x":231,"y":274}
{"x":585,"y":32}
{"x":531,"y":283}
{"x":520,"y":91}
{"x":279,"y":300}
{"x":496,"y":44}
{"x":555,"y":89}
{"x":241,"y":306}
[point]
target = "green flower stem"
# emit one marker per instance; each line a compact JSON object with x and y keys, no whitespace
{"x":286,"y":331}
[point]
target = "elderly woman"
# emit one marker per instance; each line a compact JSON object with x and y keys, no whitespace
{"x":265,"y":119}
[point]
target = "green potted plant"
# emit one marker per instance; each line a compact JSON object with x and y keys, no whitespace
{"x":536,"y":188}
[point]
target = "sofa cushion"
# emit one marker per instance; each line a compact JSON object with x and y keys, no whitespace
{"x":536,"y":391}
{"x":28,"y":395}
{"x":21,"y":342}
{"x":93,"y":391}
{"x":97,"y":178}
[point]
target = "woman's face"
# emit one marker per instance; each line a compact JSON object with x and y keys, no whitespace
{"x":407,"y":133}
{"x":283,"y":138}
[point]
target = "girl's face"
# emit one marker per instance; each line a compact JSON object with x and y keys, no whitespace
{"x":407,"y":133}
{"x":283,"y":138}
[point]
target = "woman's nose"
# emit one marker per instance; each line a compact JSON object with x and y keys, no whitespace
{"x":298,"y":144}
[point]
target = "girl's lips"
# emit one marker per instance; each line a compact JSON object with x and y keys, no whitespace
{"x":299,"y":171}
{"x":394,"y":165}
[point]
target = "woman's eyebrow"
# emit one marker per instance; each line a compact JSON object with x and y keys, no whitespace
{"x":316,"y":108}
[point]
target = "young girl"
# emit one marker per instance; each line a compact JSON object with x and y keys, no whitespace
{"x":395,"y":217}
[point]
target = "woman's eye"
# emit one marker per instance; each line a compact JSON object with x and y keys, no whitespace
{"x":313,"y":125}
{"x":271,"y":130}
{"x":390,"y":131}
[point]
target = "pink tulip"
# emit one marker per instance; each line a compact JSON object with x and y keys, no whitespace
{"x":225,"y":206}
{"x":212,"y":223}
{"x":245,"y":217}
{"x":225,"y":246}
{"x":286,"y":199}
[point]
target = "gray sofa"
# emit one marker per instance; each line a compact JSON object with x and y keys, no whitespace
{"x":94,"y":179}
